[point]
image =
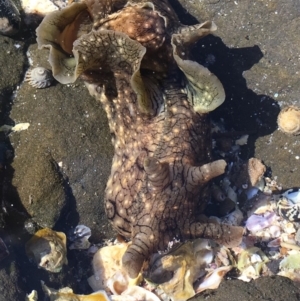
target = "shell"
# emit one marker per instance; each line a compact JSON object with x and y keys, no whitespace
{"x":108,"y":272}
{"x":39,"y":77}
{"x":80,"y":238}
{"x":293,"y":195}
{"x":291,"y":263}
{"x":48,"y":249}
{"x":256,"y":222}
{"x":289,"y":120}
{"x":213,"y":279}
{"x":66,"y":294}
{"x":176,"y":271}
{"x":251,"y":263}
{"x":135,"y":293}
{"x":287,"y":209}
{"x":33,"y":296}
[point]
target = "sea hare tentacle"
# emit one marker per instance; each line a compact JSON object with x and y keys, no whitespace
{"x":205,"y":90}
{"x":49,"y":35}
{"x":199,"y":175}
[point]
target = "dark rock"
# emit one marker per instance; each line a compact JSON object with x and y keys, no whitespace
{"x":256,"y":58}
{"x":9,"y":18}
{"x":274,"y":288}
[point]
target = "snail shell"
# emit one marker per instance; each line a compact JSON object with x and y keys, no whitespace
{"x":39,"y":77}
{"x":288,"y":209}
{"x":289,"y":120}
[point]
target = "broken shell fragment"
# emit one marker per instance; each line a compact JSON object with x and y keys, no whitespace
{"x":291,"y":262}
{"x":256,"y":223}
{"x":176,"y":271}
{"x":17,"y":128}
{"x":288,"y":209}
{"x":133,"y":293}
{"x":80,"y":238}
{"x":251,"y":263}
{"x":289,"y":120}
{"x":293,"y":195}
{"x":48,"y":249}
{"x":33,"y":296}
{"x":109,"y":274}
{"x":39,"y":77}
{"x":66,"y":294}
{"x":213,"y":279}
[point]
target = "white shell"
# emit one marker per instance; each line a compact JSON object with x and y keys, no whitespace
{"x":213,"y":279}
{"x":39,"y":77}
{"x":33,"y":296}
{"x":135,"y":293}
{"x":80,"y":238}
{"x":258,"y":222}
{"x":293,"y":195}
{"x":289,"y":120}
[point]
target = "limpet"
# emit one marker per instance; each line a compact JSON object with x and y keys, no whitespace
{"x":39,"y":77}
{"x":289,"y":120}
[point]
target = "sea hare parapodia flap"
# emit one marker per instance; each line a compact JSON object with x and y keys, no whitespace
{"x":154,"y":97}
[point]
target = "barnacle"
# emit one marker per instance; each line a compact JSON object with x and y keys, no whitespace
{"x":289,"y":120}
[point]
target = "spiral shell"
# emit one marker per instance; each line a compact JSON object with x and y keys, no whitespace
{"x":289,"y":120}
{"x":39,"y":77}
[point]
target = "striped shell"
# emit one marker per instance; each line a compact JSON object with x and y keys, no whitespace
{"x":288,"y":210}
{"x":39,"y":77}
{"x":289,"y":120}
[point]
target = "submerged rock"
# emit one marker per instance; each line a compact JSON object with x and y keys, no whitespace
{"x":9,"y":18}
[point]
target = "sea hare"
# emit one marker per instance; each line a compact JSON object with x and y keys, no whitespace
{"x":135,"y":58}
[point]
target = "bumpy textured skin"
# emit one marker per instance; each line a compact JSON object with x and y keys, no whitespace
{"x":160,"y":170}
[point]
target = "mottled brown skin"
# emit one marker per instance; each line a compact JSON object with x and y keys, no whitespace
{"x":160,"y":170}
{"x":154,"y":193}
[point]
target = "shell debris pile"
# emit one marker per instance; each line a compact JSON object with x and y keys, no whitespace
{"x":272,"y":234}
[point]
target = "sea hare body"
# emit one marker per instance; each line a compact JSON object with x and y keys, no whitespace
{"x":134,"y":58}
